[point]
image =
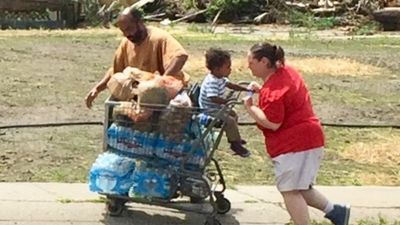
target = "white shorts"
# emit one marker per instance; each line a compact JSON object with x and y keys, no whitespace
{"x":298,"y":170}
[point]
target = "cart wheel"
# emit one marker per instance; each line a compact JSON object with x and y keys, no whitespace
{"x":223,"y":205}
{"x":114,"y":207}
{"x":212,"y":221}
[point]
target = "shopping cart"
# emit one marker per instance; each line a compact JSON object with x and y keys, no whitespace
{"x":172,"y":147}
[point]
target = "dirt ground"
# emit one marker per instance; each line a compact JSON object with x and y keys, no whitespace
{"x":45,"y":76}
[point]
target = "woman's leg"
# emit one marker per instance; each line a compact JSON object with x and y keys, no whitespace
{"x":316,"y":200}
{"x":297,"y":207}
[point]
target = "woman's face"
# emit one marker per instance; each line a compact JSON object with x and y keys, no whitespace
{"x":257,"y":67}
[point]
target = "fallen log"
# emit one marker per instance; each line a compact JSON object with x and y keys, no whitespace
{"x":389,"y":18}
{"x":189,"y":16}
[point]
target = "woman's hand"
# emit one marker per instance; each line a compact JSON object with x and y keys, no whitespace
{"x":254,"y":86}
{"x":247,"y":101}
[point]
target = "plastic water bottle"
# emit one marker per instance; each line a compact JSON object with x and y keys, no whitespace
{"x":112,"y":135}
{"x":144,"y":137}
{"x":204,"y":119}
{"x":160,"y":146}
{"x":140,"y":138}
{"x":135,"y":190}
{"x":197,"y":153}
{"x":166,"y":185}
{"x":180,"y":152}
{"x":133,"y":142}
{"x":122,"y":138}
{"x":169,"y":150}
{"x":190,"y":148}
{"x":150,"y":144}
{"x":118,"y":138}
{"x":125,"y":183}
{"x":106,"y":183}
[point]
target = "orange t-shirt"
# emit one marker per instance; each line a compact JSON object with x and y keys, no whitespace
{"x":154,"y":54}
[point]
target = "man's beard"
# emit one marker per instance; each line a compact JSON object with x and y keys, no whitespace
{"x":137,"y":38}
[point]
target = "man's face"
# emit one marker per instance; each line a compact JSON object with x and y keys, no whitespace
{"x":131,"y":28}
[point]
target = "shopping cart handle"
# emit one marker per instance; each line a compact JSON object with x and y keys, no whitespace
{"x":233,"y":102}
{"x":243,"y":83}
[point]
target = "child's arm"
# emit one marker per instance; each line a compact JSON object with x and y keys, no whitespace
{"x":258,"y":115}
{"x":236,"y":87}
{"x":218,"y":100}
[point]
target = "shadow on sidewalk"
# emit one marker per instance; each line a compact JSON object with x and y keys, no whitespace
{"x":146,"y":215}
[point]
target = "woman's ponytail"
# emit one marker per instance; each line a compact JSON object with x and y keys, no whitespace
{"x":279,"y":56}
{"x":274,"y":53}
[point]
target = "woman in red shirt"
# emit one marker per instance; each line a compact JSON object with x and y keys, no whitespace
{"x":293,"y":134}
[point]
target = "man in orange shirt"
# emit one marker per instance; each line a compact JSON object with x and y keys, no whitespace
{"x":146,"y":48}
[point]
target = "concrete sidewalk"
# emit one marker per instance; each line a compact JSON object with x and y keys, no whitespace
{"x":60,"y":204}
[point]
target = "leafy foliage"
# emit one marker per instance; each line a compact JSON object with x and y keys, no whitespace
{"x":368,"y":28}
{"x":308,"y":20}
{"x":246,"y":11}
{"x":234,"y":9}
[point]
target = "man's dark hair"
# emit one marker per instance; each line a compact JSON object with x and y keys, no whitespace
{"x":216,"y":58}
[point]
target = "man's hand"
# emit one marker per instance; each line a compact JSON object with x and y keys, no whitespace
{"x":91,"y":96}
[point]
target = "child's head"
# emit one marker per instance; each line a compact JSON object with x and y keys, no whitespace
{"x":218,"y":62}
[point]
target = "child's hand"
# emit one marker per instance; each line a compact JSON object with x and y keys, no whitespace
{"x":254,"y":86}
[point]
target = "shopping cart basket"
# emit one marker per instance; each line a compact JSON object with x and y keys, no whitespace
{"x":166,"y":152}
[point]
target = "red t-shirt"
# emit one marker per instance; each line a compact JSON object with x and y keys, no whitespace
{"x":284,"y":98}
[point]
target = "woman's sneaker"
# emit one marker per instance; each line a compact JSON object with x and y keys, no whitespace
{"x":238,"y":148}
{"x":339,"y":215}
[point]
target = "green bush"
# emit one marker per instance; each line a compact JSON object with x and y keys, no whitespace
{"x":234,"y":9}
{"x":308,"y":20}
{"x":368,"y":28}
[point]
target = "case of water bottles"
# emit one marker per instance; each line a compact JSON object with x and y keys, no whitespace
{"x":151,"y":157}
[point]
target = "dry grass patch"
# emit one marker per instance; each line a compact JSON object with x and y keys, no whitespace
{"x":336,"y":67}
{"x":196,"y":65}
{"x":41,"y":33}
{"x":383,"y":150}
{"x":312,"y":65}
{"x":379,"y":178}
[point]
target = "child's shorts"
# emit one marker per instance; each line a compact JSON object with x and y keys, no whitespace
{"x":298,"y":170}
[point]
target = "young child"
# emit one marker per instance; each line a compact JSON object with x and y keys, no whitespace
{"x":211,"y":95}
{"x":293,"y":134}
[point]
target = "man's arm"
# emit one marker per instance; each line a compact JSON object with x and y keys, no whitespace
{"x":99,"y":87}
{"x":176,"y":65}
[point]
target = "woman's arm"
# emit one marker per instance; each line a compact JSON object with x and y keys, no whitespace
{"x":258,"y":115}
